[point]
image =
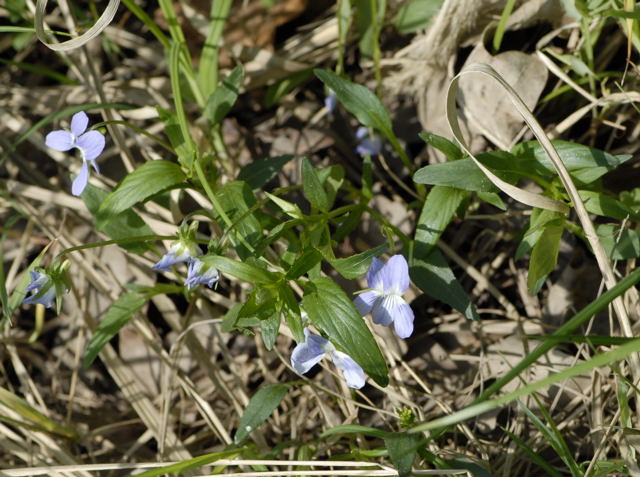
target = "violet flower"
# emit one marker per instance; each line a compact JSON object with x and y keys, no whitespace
{"x":43,"y":288}
{"x":199,"y":272}
{"x":180,"y":251}
{"x":367,"y":144}
{"x":309,"y":353}
{"x":330,"y":102}
{"x":387,"y":283}
{"x":89,"y":143}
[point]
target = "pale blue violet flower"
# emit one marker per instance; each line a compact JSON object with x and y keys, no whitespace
{"x":387,"y":283}
{"x":180,"y":251}
{"x":367,"y":144}
{"x":330,"y":102}
{"x":90,"y":144}
{"x":42,"y":288}
{"x":309,"y":353}
{"x":200,"y":272}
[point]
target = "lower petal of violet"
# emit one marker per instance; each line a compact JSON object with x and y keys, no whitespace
{"x":91,"y":144}
{"x":80,"y":182}
{"x":352,"y":372}
{"x":403,"y":320}
{"x":383,"y":309}
{"x":305,"y":356}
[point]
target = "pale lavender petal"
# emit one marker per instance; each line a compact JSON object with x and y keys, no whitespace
{"x":352,"y":372}
{"x":81,"y":180}
{"x":403,"y":320}
{"x":361,"y":133}
{"x":37,"y":280}
{"x":395,"y":275}
{"x":364,"y":301}
{"x":44,"y":291}
{"x":383,"y":308}
{"x":46,"y":299}
{"x":60,"y":140}
{"x":91,"y":144}
{"x":79,"y":123}
{"x":308,"y":353}
{"x":330,"y":102}
{"x":95,"y":166}
{"x":165,"y":263}
{"x":210,"y":277}
{"x":373,"y":275}
{"x":192,"y":273}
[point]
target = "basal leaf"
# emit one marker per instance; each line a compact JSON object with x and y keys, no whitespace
{"x":147,"y":180}
{"x":118,"y":315}
{"x":544,"y":255}
{"x":260,"y":407}
{"x":332,"y":311}
{"x":402,"y":449}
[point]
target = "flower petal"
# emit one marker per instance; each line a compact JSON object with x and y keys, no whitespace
{"x":94,"y":164}
{"x":364,"y":301}
{"x":352,"y":372}
{"x":81,"y":180}
{"x":91,"y":144}
{"x":308,"y":353}
{"x":395,"y":275}
{"x":384,"y":309}
{"x":361,"y":133}
{"x":373,"y":275}
{"x":60,"y":140}
{"x":38,"y":280}
{"x":79,"y":123}
{"x":193,"y":272}
{"x":403,"y":320}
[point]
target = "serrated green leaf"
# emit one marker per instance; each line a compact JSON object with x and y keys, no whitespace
{"x":358,"y":264}
{"x":147,"y":180}
{"x":434,"y":277}
{"x":223,"y":98}
{"x":312,"y":186}
{"x":360,"y":102}
{"x":544,"y":255}
{"x":258,"y":173}
{"x":260,"y":407}
{"x":402,"y":449}
{"x":242,"y":270}
{"x":117,"y":315}
{"x":125,"y":225}
{"x":332,"y":311}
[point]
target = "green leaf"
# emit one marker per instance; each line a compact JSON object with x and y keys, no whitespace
{"x":260,"y":407}
{"x":416,"y":15}
{"x":291,"y":311}
{"x":278,"y":89}
{"x":448,"y":148}
{"x":258,"y":173}
{"x":118,"y":315}
{"x":493,"y":199}
{"x":355,"y":429}
{"x":603,"y":205}
{"x":309,"y":258}
{"x":437,"y":212}
{"x":358,"y":264}
{"x":537,"y":222}
{"x":331,"y":178}
{"x":333,"y":312}
{"x":360,"y":102}
{"x":242,"y":270}
{"x":312,"y":187}
{"x":270,"y":328}
{"x":402,"y":449}
{"x":223,"y":98}
{"x":184,"y":149}
{"x":544,"y":255}
{"x":619,"y":244}
{"x":574,"y":156}
{"x":181,"y":468}
{"x":434,"y":277}
{"x":147,"y":180}
{"x":125,"y":225}
{"x":237,"y":199}
{"x":461,"y":174}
